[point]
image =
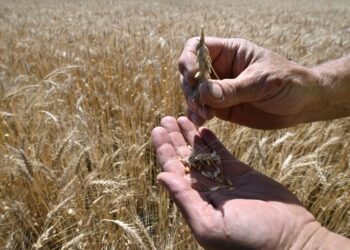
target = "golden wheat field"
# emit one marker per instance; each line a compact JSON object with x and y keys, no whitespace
{"x":82,"y":84}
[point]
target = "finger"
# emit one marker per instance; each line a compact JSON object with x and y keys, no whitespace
{"x":206,"y":112}
{"x":213,"y":143}
{"x":229,"y":92}
{"x":188,"y":66}
{"x":186,"y":87}
{"x":188,"y":93}
{"x":188,"y":60}
{"x":191,"y":134}
{"x":194,"y":117}
{"x":231,"y":166}
{"x":165,"y":152}
{"x":176,"y":137}
{"x":191,"y":204}
{"x":247,"y":115}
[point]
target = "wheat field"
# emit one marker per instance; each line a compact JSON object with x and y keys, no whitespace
{"x":82,"y":84}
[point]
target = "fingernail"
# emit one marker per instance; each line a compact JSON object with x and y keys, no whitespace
{"x":215,"y":90}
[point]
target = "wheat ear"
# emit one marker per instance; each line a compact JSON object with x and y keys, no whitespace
{"x":204,"y":65}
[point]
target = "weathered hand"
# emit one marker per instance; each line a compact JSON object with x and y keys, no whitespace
{"x":258,"y":88}
{"x":259,"y":213}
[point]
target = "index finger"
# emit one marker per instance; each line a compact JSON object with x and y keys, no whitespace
{"x":165,"y":152}
{"x":188,"y":60}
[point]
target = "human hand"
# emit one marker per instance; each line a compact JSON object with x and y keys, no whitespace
{"x":259,"y":213}
{"x":258,"y":88}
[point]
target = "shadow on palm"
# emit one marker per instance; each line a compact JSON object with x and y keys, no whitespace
{"x":248,"y":183}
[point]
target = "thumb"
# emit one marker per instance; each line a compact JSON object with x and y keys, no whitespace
{"x":188,"y":200}
{"x":228,"y":92}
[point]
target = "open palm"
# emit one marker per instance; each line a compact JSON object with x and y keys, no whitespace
{"x":258,"y":213}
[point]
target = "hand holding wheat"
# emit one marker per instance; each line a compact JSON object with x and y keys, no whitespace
{"x":260,"y":89}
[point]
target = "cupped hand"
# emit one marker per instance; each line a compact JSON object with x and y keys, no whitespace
{"x":256,"y":87}
{"x":258,"y":213}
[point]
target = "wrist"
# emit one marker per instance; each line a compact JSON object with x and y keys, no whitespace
{"x":314,"y":236}
{"x":316,"y":95}
{"x":334,"y":81}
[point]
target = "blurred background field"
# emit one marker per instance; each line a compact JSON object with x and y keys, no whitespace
{"x":82,"y":84}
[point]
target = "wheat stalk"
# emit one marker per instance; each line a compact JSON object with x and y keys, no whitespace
{"x":129,"y":230}
{"x":73,"y":241}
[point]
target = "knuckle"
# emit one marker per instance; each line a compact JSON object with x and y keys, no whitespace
{"x":192,"y":41}
{"x":186,"y":88}
{"x":238,"y":41}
